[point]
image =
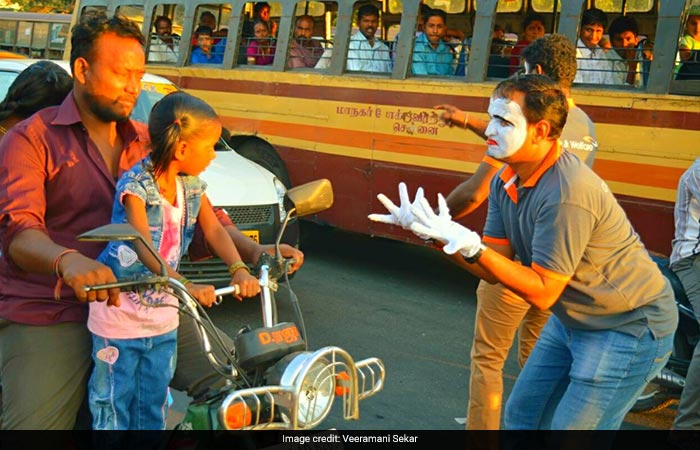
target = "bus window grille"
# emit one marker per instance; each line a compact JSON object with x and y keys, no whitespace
{"x":241,"y":215}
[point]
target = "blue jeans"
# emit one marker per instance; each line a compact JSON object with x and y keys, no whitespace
{"x":128,"y":389}
{"x":583,"y":380}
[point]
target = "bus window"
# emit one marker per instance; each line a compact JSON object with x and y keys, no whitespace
{"x":544,"y":6}
{"x":58,"y":35}
{"x":631,"y":53}
{"x":308,"y":46}
{"x":258,"y":42}
{"x":24,"y":35}
{"x":688,"y":59}
{"x":164,"y":41}
{"x":449,"y":6}
{"x":131,"y":12}
{"x":8,"y":34}
{"x":615,"y":6}
{"x":209,"y":36}
{"x":431,"y":54}
{"x":367,"y":51}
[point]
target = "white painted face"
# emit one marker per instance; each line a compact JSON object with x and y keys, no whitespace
{"x":507,"y":129}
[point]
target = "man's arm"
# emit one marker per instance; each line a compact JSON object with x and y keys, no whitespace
{"x":33,"y":251}
{"x":250,"y":250}
{"x":470,"y":194}
{"x":539,"y":289}
{"x":454,"y":116}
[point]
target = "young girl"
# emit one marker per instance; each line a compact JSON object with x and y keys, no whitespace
{"x":162,"y":197}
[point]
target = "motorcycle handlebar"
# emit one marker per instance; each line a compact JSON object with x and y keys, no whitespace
{"x":218,"y":293}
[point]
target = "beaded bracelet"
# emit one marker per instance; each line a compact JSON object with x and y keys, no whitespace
{"x":238,"y":265}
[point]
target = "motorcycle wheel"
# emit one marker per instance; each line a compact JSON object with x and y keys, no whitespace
{"x":654,"y":398}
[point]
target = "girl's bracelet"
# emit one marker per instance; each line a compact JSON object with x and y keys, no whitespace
{"x":238,"y":265}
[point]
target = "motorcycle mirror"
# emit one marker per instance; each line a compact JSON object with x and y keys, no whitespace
{"x":122,"y":232}
{"x":311,"y":197}
{"x":111,"y":232}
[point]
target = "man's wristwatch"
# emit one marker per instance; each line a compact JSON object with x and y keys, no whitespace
{"x":475,"y":257}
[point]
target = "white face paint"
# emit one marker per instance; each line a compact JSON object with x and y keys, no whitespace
{"x":507,"y":129}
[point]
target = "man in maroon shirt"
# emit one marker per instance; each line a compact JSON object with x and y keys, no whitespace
{"x":57,"y":180}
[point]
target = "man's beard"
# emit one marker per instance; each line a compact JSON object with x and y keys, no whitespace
{"x":104,"y":112}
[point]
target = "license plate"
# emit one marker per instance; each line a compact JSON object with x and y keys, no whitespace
{"x":253,"y":234}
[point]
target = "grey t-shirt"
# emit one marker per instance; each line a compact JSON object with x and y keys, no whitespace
{"x":570,"y":223}
{"x":578,"y":135}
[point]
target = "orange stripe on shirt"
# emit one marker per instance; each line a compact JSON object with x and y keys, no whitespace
{"x":495,"y":241}
{"x":549,"y":273}
{"x":493,"y":162}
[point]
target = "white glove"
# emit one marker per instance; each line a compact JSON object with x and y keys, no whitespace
{"x":441,"y":227}
{"x":399,"y":215}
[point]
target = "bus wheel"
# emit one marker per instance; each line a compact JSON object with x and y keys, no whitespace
{"x":262,"y":153}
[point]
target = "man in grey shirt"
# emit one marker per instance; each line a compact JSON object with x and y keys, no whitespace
{"x":613,"y":312}
{"x":500,"y":312}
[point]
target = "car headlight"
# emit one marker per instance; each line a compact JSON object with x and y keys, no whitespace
{"x":281,"y":190}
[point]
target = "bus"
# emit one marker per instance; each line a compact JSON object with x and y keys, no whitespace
{"x":35,"y":35}
{"x":366,"y":131}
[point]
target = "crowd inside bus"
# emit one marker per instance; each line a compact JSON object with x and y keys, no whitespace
{"x":615,"y":39}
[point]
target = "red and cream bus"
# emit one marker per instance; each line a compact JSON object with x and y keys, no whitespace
{"x":368,"y":131}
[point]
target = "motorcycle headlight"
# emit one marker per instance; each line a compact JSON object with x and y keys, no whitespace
{"x":281,"y":190}
{"x":316,"y":381}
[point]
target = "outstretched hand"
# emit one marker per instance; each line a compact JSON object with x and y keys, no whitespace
{"x":398,"y":215}
{"x":441,"y":227}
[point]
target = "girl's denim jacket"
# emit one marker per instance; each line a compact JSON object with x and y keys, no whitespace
{"x":120,"y":256}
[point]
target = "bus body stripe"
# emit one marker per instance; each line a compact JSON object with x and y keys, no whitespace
{"x":599,"y":114}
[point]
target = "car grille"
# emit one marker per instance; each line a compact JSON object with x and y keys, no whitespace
{"x":242,"y":215}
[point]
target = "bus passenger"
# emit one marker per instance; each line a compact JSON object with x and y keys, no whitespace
{"x":556,"y":235}
{"x":164,"y":45}
{"x":689,"y":47}
{"x":501,"y":312}
{"x":208,"y":19}
{"x":303,"y":50}
{"x":365,"y":53}
{"x":40,"y":85}
{"x":627,"y":58}
{"x":205,"y":52}
{"x":261,"y":11}
{"x":533,"y":28}
{"x":594,"y":65}
{"x":431,"y":56}
{"x":261,"y":49}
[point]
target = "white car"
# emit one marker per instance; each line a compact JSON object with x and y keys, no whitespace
{"x":252,"y":196}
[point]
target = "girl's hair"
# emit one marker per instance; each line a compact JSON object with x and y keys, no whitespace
{"x":42,"y":84}
{"x":178,"y":115}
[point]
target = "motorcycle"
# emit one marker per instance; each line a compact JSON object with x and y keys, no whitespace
{"x":667,"y":387}
{"x":273,"y":381}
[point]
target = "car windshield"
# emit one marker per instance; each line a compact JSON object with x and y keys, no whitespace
{"x":6,"y":79}
{"x":144,"y":104}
